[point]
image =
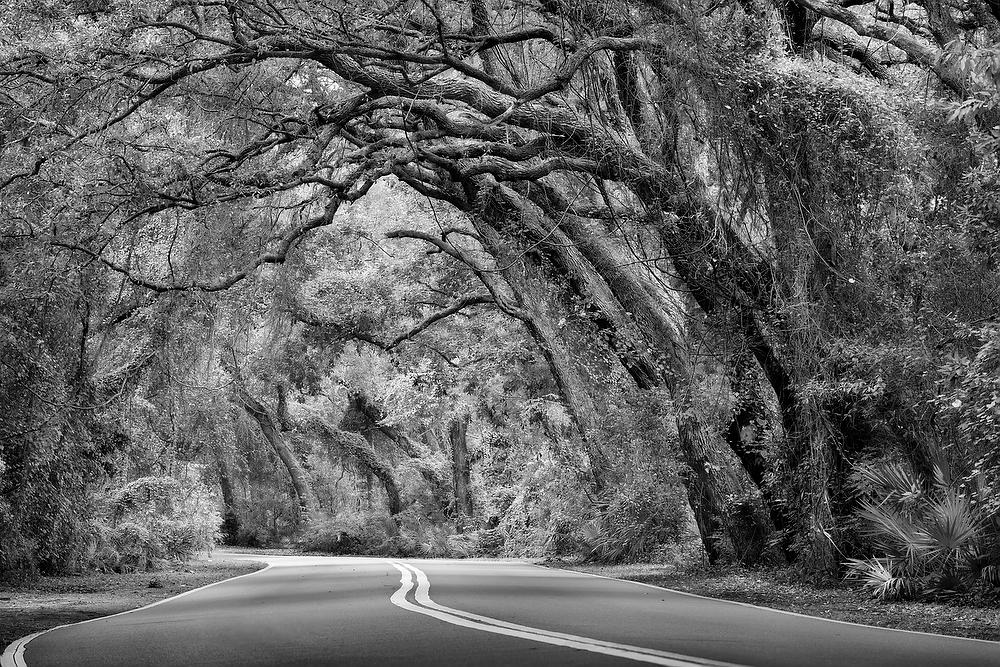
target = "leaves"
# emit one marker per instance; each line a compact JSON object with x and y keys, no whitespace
{"x":934,"y":542}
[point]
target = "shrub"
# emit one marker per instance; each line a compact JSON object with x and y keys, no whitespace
{"x":181,"y":539}
{"x":415,"y":535}
{"x":934,"y":540}
{"x":137,"y":547}
{"x":461,"y":545}
{"x":562,"y":538}
{"x":362,"y":534}
{"x":405,"y":535}
{"x":267,"y":521}
{"x":194,"y":525}
{"x":489,"y":542}
{"x":403,"y":545}
{"x":250,"y":536}
{"x":99,"y":550}
{"x":148,"y":496}
{"x":16,"y":550}
{"x":152,"y":520}
{"x":633,"y":525}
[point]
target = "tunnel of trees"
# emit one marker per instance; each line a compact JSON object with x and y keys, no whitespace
{"x":557,"y":276}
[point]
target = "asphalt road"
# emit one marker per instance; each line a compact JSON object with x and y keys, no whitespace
{"x":368,"y":611}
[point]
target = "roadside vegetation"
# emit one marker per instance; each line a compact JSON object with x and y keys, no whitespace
{"x":29,"y":606}
{"x":622,"y":282}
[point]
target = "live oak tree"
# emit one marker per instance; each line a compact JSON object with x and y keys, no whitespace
{"x":615,"y":177}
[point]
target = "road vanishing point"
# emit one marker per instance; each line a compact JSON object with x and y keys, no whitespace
{"x":312,"y":610}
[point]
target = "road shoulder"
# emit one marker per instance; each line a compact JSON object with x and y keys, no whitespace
{"x":48,"y":602}
{"x":774,"y":590}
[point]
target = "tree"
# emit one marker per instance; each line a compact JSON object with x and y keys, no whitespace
{"x":282,"y":447}
{"x":457,"y":435}
{"x":666,"y":167}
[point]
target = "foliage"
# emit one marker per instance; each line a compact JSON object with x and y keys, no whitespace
{"x":408,"y":535}
{"x":937,"y":537}
{"x":981,"y":69}
{"x":151,"y":520}
{"x":634,"y":526}
{"x":230,"y":529}
{"x":348,"y":534}
{"x":49,"y":459}
{"x":645,"y":510}
{"x":584,"y":238}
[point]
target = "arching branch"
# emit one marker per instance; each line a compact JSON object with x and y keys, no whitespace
{"x":452,"y":309}
{"x":356,"y":447}
{"x":276,"y":255}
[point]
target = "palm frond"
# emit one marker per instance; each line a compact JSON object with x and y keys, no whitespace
{"x":894,"y":531}
{"x":951,"y":526}
{"x":934,"y":543}
{"x":885,"y":578}
{"x":893,"y":481}
{"x":990,"y":575}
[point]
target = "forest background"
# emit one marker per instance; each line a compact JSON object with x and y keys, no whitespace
{"x":504,"y":278}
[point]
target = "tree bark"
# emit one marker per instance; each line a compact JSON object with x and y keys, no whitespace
{"x":457,"y":432}
{"x":355,"y":446}
{"x":722,"y":495}
{"x":300,"y":478}
{"x":540,"y":313}
{"x":362,"y":416}
{"x":225,"y":484}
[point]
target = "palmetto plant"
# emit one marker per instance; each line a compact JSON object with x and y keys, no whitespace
{"x":934,"y":539}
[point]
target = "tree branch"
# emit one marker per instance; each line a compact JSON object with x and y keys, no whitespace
{"x":455,"y":307}
{"x":277,"y":255}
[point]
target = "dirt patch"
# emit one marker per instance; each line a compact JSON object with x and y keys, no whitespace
{"x":775,"y":589}
{"x":50,"y":601}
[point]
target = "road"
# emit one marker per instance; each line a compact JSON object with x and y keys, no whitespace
{"x":305,"y":610}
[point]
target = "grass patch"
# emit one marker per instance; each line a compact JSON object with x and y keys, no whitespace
{"x":776,"y":589}
{"x":30,"y":606}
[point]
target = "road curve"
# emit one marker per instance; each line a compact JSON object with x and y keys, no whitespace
{"x":305,"y":610}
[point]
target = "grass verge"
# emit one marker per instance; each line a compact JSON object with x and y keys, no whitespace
{"x":46,"y":602}
{"x":777,"y":590}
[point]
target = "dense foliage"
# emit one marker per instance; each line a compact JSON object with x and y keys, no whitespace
{"x":620,"y":279}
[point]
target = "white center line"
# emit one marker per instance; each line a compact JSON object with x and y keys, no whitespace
{"x":424,"y":605}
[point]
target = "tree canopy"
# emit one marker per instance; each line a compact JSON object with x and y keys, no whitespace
{"x":544,"y":275}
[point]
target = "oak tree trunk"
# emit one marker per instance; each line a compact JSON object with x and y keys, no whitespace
{"x":359,"y":449}
{"x":457,"y":432}
{"x":635,"y":308}
{"x":281,"y":446}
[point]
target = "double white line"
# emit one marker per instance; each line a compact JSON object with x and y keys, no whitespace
{"x":424,"y":605}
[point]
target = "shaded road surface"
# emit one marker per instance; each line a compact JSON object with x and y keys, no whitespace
{"x":352,"y":611}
